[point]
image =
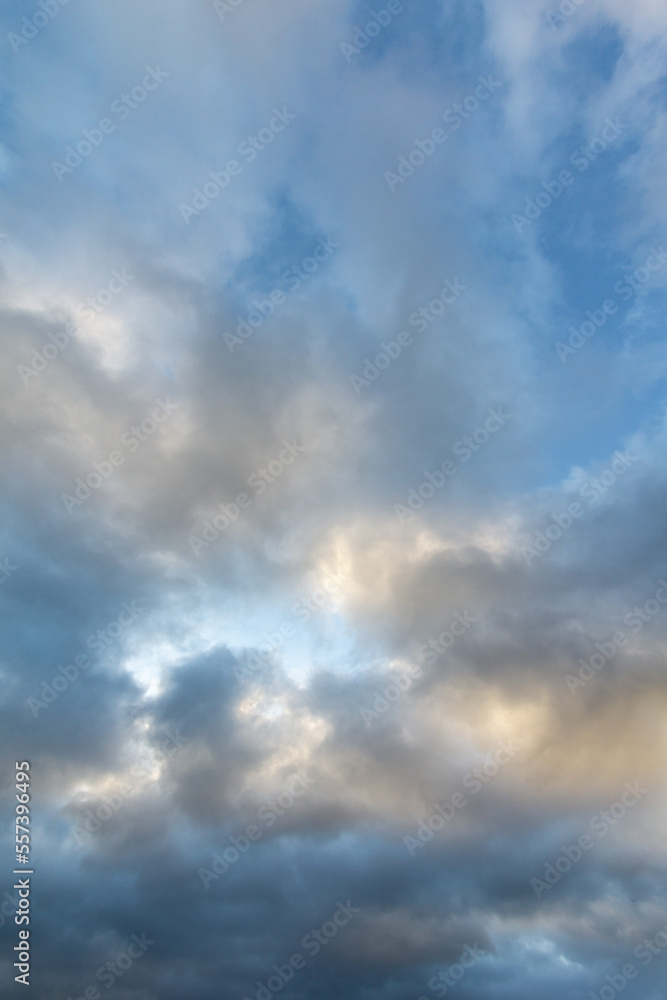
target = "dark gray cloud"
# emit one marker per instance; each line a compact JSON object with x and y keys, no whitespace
{"x":291,"y":630}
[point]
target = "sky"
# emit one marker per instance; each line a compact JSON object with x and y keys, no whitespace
{"x":333,"y":563}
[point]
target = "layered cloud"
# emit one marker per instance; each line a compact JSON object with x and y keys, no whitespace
{"x":334,"y":542}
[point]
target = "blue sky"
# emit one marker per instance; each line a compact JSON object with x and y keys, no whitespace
{"x":219,"y":396}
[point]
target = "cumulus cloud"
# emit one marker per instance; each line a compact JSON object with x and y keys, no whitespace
{"x":335,"y":578}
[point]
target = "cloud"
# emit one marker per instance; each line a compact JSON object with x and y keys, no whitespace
{"x":245,"y":660}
